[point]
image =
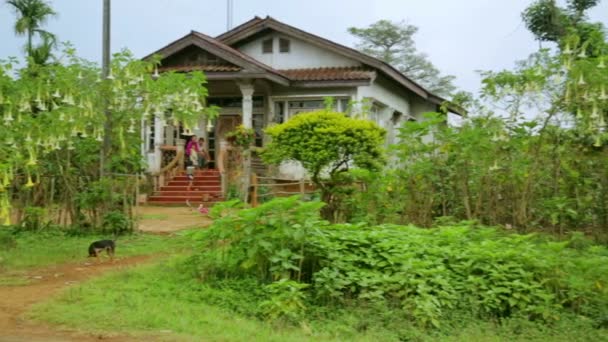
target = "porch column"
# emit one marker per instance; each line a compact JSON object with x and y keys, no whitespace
{"x":247,"y":91}
{"x":202,"y":127}
{"x":159,"y":127}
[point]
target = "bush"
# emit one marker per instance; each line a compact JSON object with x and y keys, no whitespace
{"x":7,"y":239}
{"x":328,"y":145}
{"x":117,"y":223}
{"x":423,"y":274}
{"x":34,"y":219}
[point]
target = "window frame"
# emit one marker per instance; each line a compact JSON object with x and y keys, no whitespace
{"x":284,"y":45}
{"x":265,"y":46}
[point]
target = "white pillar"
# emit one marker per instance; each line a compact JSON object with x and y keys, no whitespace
{"x":247,"y":91}
{"x":159,"y":127}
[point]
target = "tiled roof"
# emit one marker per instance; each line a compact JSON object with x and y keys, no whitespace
{"x":328,"y":74}
{"x":207,"y":68}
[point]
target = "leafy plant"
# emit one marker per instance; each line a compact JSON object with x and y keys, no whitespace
{"x":241,"y":137}
{"x":328,"y":145}
{"x":34,"y":219}
{"x":286,"y":301}
{"x":422,"y":274}
{"x":117,"y":223}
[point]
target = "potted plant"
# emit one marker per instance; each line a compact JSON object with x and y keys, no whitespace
{"x":241,"y":137}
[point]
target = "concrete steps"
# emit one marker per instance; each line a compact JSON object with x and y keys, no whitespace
{"x":205,"y":187}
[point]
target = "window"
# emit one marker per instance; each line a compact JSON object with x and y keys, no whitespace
{"x":344,"y":106}
{"x":279,"y":112}
{"x":296,"y":107}
{"x":267,"y":46}
{"x":151,"y":128}
{"x":283,"y":45}
{"x":396,"y":119}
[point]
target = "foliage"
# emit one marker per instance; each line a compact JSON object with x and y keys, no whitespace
{"x":7,"y":239}
{"x":117,"y":223}
{"x":495,"y":172}
{"x":327,"y":144}
{"x":514,"y":169}
{"x":28,"y":250}
{"x":550,"y":22}
{"x":241,"y":137}
{"x":31,"y":15}
{"x":422,"y":274}
{"x":286,"y":301}
{"x":393,"y":43}
{"x":34,"y":219}
{"x":265,"y":242}
{"x":204,"y":311}
{"x":53,"y":119}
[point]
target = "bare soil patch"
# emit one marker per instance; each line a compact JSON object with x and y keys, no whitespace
{"x":165,"y":220}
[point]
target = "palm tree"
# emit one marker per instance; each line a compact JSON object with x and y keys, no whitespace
{"x":41,"y":54}
{"x":31,"y":15}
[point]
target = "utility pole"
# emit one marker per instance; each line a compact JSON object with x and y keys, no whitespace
{"x":229,"y":11}
{"x":105,"y":71}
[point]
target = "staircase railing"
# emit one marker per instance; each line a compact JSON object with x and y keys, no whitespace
{"x":169,"y":171}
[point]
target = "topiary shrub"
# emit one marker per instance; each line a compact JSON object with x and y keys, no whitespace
{"x":328,"y":145}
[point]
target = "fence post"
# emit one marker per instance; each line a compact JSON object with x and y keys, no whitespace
{"x":254,"y":190}
{"x":302,"y":187}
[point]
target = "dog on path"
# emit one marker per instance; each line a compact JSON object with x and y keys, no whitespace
{"x":98,"y":247}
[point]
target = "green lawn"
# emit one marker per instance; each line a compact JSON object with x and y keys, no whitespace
{"x":32,"y":250}
{"x":164,"y":299}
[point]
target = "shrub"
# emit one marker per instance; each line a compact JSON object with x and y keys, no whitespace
{"x":117,"y":223}
{"x":7,"y":239}
{"x":327,"y":144}
{"x":34,"y":219}
{"x":424,"y":274}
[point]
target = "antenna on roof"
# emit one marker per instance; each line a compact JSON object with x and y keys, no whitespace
{"x":229,"y":11}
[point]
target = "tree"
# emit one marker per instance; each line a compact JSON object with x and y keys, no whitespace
{"x":52,"y":119}
{"x":552,"y":23}
{"x":327,"y":144}
{"x":31,"y":15}
{"x":393,"y":43}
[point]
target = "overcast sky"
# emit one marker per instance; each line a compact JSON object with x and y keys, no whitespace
{"x":459,"y":36}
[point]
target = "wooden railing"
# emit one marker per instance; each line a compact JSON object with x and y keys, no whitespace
{"x":277,"y":187}
{"x":168,"y":171}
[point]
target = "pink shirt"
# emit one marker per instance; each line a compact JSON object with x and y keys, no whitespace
{"x":190,"y":145}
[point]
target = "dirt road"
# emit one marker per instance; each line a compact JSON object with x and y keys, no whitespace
{"x":15,"y":300}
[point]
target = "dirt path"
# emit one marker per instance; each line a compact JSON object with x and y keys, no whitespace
{"x":15,"y":300}
{"x":165,"y":220}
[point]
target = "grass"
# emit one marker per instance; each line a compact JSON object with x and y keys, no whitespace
{"x":32,"y":250}
{"x":166,"y":299}
{"x":126,"y":302}
{"x":154,"y":217}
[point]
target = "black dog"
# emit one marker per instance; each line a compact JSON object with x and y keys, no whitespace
{"x":99,"y":246}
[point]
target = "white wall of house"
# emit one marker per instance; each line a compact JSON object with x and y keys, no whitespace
{"x":390,"y":106}
{"x":301,"y":54}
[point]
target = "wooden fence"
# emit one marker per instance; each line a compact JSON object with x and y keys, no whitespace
{"x":264,"y":188}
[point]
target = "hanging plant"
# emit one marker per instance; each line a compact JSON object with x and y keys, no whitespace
{"x":241,"y":137}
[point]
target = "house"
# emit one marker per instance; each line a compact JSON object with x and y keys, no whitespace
{"x":265,"y":71}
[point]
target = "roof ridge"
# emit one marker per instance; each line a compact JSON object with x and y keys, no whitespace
{"x":237,"y":52}
{"x":269,"y":21}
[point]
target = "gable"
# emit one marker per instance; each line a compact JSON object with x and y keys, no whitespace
{"x":193,"y":56}
{"x":301,"y":54}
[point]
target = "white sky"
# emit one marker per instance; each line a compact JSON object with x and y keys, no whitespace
{"x":459,"y":36}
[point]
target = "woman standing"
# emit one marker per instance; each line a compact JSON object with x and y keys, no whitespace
{"x":193,"y":151}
